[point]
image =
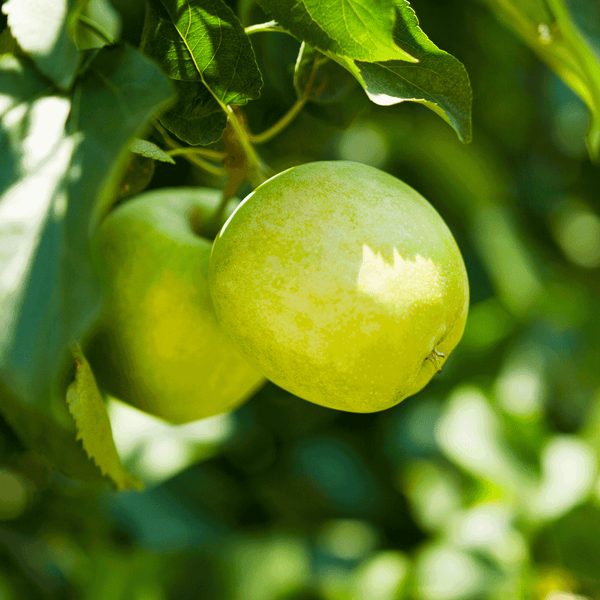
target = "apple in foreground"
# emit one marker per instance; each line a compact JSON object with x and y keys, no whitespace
{"x":159,"y":346}
{"x":341,"y":284}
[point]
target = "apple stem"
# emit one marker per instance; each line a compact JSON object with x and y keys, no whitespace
{"x":434,"y":357}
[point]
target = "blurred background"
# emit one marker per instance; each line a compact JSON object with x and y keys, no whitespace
{"x":483,"y":485}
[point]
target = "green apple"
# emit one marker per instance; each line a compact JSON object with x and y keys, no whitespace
{"x":159,"y":346}
{"x":341,"y":284}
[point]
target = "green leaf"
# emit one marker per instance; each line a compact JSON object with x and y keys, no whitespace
{"x":41,"y":30}
{"x":320,"y":79}
{"x":565,"y":34}
{"x":36,"y":156}
{"x":150,"y":150}
{"x":203,"y":46}
{"x":351,"y":28}
{"x":96,"y":24}
{"x":61,"y":165}
{"x":437,"y":80}
{"x":384,"y":48}
{"x":87,"y":407}
{"x":113,"y":100}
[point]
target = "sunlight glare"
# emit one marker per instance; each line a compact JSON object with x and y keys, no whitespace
{"x":405,"y":278}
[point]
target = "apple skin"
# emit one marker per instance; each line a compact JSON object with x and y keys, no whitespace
{"x":159,"y":346}
{"x":341,"y":284}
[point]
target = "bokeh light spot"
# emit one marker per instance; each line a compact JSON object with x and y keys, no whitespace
{"x":382,"y":577}
{"x":578,"y":234}
{"x":364,"y":143}
{"x":348,"y":539}
{"x":445,"y":573}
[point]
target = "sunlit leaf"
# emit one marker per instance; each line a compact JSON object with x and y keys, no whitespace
{"x":363,"y":31}
{"x":384,"y":48}
{"x":437,"y":80}
{"x":87,"y":407}
{"x":41,"y":29}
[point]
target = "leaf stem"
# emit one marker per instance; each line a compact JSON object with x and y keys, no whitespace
{"x":188,"y":153}
{"x":97,"y":29}
{"x":275,"y":129}
{"x":264,"y":27}
{"x":256,"y":171}
{"x":204,"y":152}
{"x":204,"y":164}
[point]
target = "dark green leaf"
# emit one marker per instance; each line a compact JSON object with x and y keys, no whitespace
{"x":195,"y":118}
{"x":97,"y":25}
{"x":203,"y":46}
{"x":41,"y":30}
{"x":113,"y":100}
{"x":340,"y":113}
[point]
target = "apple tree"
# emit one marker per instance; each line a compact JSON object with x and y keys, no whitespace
{"x":211,"y":211}
{"x":179,"y":92}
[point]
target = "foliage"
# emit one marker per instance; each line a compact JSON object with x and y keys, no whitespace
{"x":485,"y":484}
